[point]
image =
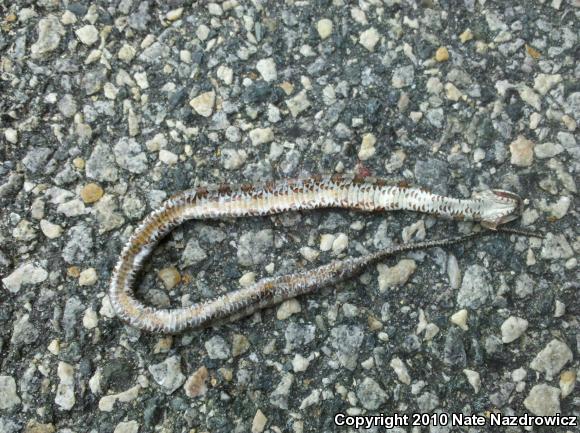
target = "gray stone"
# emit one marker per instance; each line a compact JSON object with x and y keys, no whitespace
{"x":79,"y":244}
{"x":101,"y":164}
{"x":193,"y":253}
{"x":67,"y":105}
{"x":552,"y":358}
{"x":403,"y":76}
{"x":454,"y":350}
{"x":513,"y":328}
{"x":279,"y":396}
{"x":37,"y":158}
{"x":25,"y":274}
{"x":24,"y":332}
{"x":217,"y":348}
{"x":476,"y":289}
{"x":298,"y":335}
{"x":298,"y":103}
{"x":8,"y":396}
{"x":50,"y":31}
{"x":370,"y":394}
{"x":130,"y":156}
{"x":92,"y":82}
{"x":346,"y":340}
{"x":255,"y":247}
{"x":543,"y":400}
{"x":167,"y":374}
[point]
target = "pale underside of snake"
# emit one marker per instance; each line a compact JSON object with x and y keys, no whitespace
{"x":491,"y":208}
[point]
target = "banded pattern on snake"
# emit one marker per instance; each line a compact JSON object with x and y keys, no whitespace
{"x":491,"y":208}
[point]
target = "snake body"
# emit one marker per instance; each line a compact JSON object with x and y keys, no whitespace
{"x":491,"y":208}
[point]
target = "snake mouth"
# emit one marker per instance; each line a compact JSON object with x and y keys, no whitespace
{"x":501,"y":207}
{"x":515,"y":199}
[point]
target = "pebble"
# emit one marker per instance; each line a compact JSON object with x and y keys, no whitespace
{"x":127,"y":427}
{"x":126,"y":53}
{"x":240,"y":344}
{"x":196,"y":384}
{"x":279,"y":397}
{"x":217,"y":348}
{"x":49,"y":33}
{"x":169,"y":276}
{"x":259,"y":422}
{"x":453,"y":272}
{"x":309,"y":253}
{"x":226,"y":74}
{"x":25,"y":274}
{"x":370,"y":394}
{"x":88,"y":277}
{"x":141,"y":80}
{"x":466,"y":36}
{"x":90,"y":319}
{"x":339,"y":244}
{"x":396,"y":275}
{"x":326,"y":241}
{"x":442,"y":54}
{"x":367,"y":148}
{"x":88,"y":34}
{"x":543,"y":400}
{"x":107,"y":214}
{"x":559,"y":309}
{"x":261,"y":136}
{"x":453,"y":93}
{"x":167,"y":374}
{"x":543,"y":83}
{"x":403,"y":76}
{"x":311,"y":400}
{"x":522,"y":151}
{"x":346,"y":340}
{"x":476,"y":289}
{"x":203,"y":104}
{"x":369,"y":39}
{"x":11,"y":135}
{"x":129,"y":155}
{"x":400,"y":370}
{"x":552,"y":358}
{"x":267,"y":69}
{"x":288,"y":308}
{"x":567,"y":382}
{"x":65,"y":395}
{"x":547,"y":150}
{"x":101,"y":165}
{"x":167,"y":157}
{"x":299,"y":363}
{"x":298,"y":103}
{"x":193,"y":253}
{"x":513,"y":328}
{"x":107,"y":403}
{"x":473,"y":378}
{"x":556,"y":247}
{"x":174,"y":14}
{"x":460,"y":319}
{"x":254,"y":247}
{"x":559,"y":209}
{"x":67,"y":106}
{"x":91,"y":193}
{"x":8,"y":395}
{"x":324,"y":28}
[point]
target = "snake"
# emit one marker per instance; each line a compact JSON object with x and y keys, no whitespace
{"x":491,"y":208}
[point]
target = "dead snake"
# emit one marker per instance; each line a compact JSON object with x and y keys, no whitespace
{"x":491,"y":208}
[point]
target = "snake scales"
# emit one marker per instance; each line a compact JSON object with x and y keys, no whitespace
{"x":491,"y":208}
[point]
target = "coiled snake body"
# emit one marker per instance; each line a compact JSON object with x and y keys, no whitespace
{"x":491,"y":208}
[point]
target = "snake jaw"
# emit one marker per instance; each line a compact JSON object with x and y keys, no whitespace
{"x":499,"y":207}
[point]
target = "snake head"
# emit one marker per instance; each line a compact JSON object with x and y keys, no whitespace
{"x":499,"y":207}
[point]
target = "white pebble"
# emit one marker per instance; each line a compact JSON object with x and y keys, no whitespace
{"x":267,"y":69}
{"x":460,"y":319}
{"x":88,"y":34}
{"x":512,"y":329}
